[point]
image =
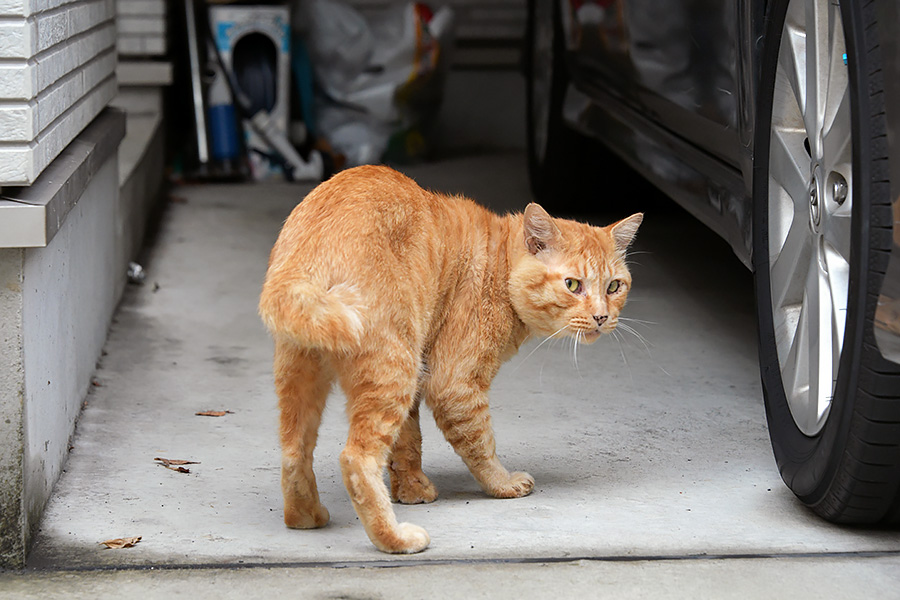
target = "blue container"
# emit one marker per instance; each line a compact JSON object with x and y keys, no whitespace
{"x":223,"y":132}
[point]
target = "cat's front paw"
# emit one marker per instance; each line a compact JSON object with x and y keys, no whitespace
{"x":412,"y":489}
{"x":519,"y":484}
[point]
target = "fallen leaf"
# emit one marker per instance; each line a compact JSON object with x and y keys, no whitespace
{"x":173,"y":464}
{"x":177,"y":469}
{"x":214,"y":413}
{"x":174,"y":461}
{"x":118,"y":543}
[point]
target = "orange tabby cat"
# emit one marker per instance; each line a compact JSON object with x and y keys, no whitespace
{"x":405,"y":295}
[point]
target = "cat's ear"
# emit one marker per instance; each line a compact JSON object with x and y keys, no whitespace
{"x":541,"y":233}
{"x":624,"y":231}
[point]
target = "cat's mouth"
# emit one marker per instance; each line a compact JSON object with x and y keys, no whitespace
{"x":591,"y":335}
{"x":587,"y":330}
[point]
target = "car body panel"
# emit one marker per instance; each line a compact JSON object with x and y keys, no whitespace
{"x":675,"y":61}
{"x":670,"y":86}
{"x":707,"y":188}
{"x":669,"y":89}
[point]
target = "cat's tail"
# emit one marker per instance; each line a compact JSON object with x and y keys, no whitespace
{"x":314,"y":316}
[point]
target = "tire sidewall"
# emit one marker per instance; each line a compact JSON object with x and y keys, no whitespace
{"x":540,"y":171}
{"x":561,"y":174}
{"x":808,"y":464}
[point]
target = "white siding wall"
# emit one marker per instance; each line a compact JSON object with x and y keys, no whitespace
{"x":142,"y":27}
{"x":57,"y":72}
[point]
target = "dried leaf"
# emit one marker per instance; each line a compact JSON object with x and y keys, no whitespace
{"x":118,"y":543}
{"x":172,"y":464}
{"x":173,"y":461}
{"x":214,"y":413}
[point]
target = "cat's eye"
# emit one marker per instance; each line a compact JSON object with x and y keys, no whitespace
{"x":613,"y":287}
{"x":573,"y":285}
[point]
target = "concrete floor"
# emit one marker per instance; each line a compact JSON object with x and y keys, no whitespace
{"x":645,"y":453}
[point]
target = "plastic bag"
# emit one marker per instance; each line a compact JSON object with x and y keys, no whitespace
{"x":377,"y":79}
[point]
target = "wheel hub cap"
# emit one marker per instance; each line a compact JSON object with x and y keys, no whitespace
{"x":815,"y":213}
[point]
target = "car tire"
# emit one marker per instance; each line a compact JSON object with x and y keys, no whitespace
{"x":839,"y":450}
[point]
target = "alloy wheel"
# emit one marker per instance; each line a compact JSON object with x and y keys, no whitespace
{"x":810,"y":207}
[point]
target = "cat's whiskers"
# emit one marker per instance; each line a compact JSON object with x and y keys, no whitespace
{"x":642,"y":322}
{"x":617,"y":336}
{"x":555,"y":342}
{"x":552,"y":336}
{"x":630,"y":262}
{"x":575,"y":341}
{"x":627,"y":328}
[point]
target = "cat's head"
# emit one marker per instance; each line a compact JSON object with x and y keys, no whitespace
{"x":569,"y":278}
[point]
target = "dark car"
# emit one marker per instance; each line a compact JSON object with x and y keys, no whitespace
{"x":777,"y":124}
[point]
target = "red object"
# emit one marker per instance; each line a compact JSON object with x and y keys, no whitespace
{"x":424,"y":11}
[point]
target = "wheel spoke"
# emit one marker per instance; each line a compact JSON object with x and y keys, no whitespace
{"x":793,"y":337}
{"x":837,"y":235}
{"x":789,"y":267}
{"x":836,"y":140}
{"x":820,"y":316}
{"x":836,"y":124}
{"x":789,"y":164}
{"x":817,"y":64}
{"x":838,"y":267}
{"x":837,"y":144}
{"x":792,"y":61}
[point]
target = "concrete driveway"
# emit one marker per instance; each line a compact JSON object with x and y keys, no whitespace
{"x":654,"y":474}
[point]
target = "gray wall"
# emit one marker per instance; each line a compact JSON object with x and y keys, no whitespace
{"x":56,"y":303}
{"x":70,"y":290}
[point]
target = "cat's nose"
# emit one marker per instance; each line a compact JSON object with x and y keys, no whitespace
{"x":601,"y":320}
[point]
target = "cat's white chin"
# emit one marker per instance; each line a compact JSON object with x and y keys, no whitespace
{"x":589,"y":337}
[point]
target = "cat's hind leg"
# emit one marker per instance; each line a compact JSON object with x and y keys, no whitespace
{"x":381,"y":390}
{"x":302,"y":382}
{"x":409,"y":485}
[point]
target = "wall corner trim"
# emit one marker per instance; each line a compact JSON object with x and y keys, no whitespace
{"x":31,"y":215}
